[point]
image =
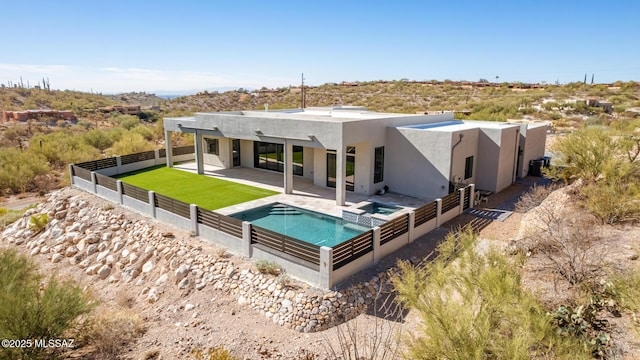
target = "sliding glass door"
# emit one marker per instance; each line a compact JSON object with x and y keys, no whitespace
{"x":350,"y":165}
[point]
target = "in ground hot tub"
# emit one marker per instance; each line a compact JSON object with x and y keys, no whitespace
{"x":370,"y":213}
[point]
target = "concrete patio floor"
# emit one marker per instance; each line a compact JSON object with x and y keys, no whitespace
{"x":305,"y":194}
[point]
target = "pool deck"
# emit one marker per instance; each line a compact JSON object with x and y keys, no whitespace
{"x":305,"y":194}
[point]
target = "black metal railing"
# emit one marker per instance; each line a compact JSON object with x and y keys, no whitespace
{"x":352,"y":249}
{"x":285,"y":244}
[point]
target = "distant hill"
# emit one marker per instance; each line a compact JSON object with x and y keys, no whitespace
{"x":138,"y":98}
{"x":471,"y":100}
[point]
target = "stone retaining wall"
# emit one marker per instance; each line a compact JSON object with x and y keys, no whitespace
{"x":117,"y":246}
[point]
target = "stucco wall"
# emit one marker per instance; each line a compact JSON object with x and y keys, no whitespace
{"x":108,"y":194}
{"x":467,"y":146}
{"x":223,"y":159}
{"x":533,"y":141}
{"x":415,"y":163}
{"x":508,"y":158}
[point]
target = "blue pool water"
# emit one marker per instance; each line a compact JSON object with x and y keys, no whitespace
{"x":305,"y":225}
{"x":379,"y":208}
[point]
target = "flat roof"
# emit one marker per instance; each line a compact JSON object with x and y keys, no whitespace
{"x":458,"y":125}
{"x":334,"y":113}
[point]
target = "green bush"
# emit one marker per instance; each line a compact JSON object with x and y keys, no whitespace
{"x":99,"y":139}
{"x":19,"y":169}
{"x":63,"y":147}
{"x":144,"y":131}
{"x":29,"y":312}
{"x":473,"y":306}
{"x":38,"y":222}
{"x":130,"y":143}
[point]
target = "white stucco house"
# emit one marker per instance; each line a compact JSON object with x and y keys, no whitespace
{"x":352,"y":149}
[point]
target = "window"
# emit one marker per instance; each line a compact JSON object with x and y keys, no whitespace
{"x":270,"y":156}
{"x":468,"y":167}
{"x":378,"y":165}
{"x":213,"y":146}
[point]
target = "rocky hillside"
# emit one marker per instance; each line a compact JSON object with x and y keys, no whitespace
{"x":176,"y":280}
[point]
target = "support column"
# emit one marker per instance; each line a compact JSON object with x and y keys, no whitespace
{"x":94,"y":181}
{"x":326,"y":267}
{"x":472,"y":196}
{"x":152,"y":203}
{"x":246,"y":239}
{"x":119,"y":187}
{"x":412,"y":223}
{"x":461,"y":204}
{"x":71,"y":173}
{"x":376,"y":244}
{"x":199,"y":153}
{"x":438,"y":212}
{"x":288,"y":167}
{"x":193,"y":214}
{"x":341,"y":176}
{"x":168,"y":145}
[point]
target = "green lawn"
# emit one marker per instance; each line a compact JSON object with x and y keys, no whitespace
{"x":205,"y":191}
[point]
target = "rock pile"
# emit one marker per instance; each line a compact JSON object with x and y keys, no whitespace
{"x":113,"y":247}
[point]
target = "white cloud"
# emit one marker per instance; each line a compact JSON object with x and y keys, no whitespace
{"x":119,"y":79}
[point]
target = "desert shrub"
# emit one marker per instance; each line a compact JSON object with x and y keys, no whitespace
{"x":38,"y":222}
{"x":627,"y":293}
{"x":473,"y":306}
{"x":268,"y":267}
{"x":535,"y":196}
{"x":215,"y":353}
{"x":28,"y":311}
{"x":125,"y":121}
{"x":63,"y":147}
{"x":380,"y":341}
{"x":108,"y":332}
{"x":570,"y":244}
{"x":144,"y":131}
{"x":130,"y":143}
{"x":607,"y":160}
{"x":99,"y":139}
{"x":18,"y":169}
{"x":612,"y":202}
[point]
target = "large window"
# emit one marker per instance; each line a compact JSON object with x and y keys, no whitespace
{"x":270,"y":156}
{"x":378,"y":165}
{"x":350,"y":166}
{"x":213,"y":146}
{"x":468,"y":167}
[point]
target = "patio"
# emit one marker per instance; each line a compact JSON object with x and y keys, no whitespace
{"x":305,"y":195}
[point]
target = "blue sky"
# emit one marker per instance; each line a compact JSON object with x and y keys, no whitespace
{"x":119,"y":46}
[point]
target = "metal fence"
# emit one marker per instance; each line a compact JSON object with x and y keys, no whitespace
{"x":450,"y":201}
{"x":81,"y":172}
{"x":294,"y":247}
{"x":227,"y":224}
{"x":425,"y":213}
{"x":352,"y":249}
{"x":394,"y":228}
{"x":94,"y":165}
{"x":172,"y":205}
{"x":135,"y":192}
{"x":467,"y":198}
{"x":183,"y":150}
{"x":137,"y":157}
{"x":107,"y":182}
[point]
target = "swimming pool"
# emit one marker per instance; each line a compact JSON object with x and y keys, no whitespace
{"x":379,"y":208}
{"x":301,"y":224}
